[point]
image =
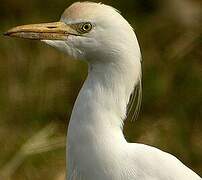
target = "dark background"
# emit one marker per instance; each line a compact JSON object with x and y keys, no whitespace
{"x":38,"y":86}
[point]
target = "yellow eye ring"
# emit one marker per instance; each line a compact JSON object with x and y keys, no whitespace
{"x":86,"y":27}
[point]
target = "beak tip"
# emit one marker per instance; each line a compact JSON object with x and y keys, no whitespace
{"x":6,"y":33}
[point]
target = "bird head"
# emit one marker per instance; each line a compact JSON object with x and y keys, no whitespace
{"x":98,"y":34}
{"x":86,"y":30}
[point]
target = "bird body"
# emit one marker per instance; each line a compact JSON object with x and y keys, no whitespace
{"x":96,"y":146}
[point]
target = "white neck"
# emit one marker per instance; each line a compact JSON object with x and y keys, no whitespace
{"x":99,"y":111}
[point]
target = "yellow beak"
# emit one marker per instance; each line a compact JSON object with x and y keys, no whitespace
{"x":44,"y":31}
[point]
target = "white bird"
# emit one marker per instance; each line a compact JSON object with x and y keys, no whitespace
{"x":96,"y":147}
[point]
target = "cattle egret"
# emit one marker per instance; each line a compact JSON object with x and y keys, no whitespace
{"x":96,"y":147}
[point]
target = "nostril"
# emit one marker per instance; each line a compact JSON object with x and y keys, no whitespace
{"x":51,"y":27}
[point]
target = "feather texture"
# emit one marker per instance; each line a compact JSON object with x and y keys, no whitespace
{"x":96,"y":147}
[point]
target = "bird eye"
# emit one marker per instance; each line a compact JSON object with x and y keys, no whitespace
{"x":86,"y":27}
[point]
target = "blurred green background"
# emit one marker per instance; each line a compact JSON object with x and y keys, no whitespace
{"x":38,"y":86}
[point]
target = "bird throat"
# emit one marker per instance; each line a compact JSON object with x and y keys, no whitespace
{"x":98,"y":114}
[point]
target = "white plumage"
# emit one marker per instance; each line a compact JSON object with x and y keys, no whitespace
{"x":96,"y":147}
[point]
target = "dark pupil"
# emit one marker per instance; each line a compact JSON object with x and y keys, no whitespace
{"x":86,"y":27}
